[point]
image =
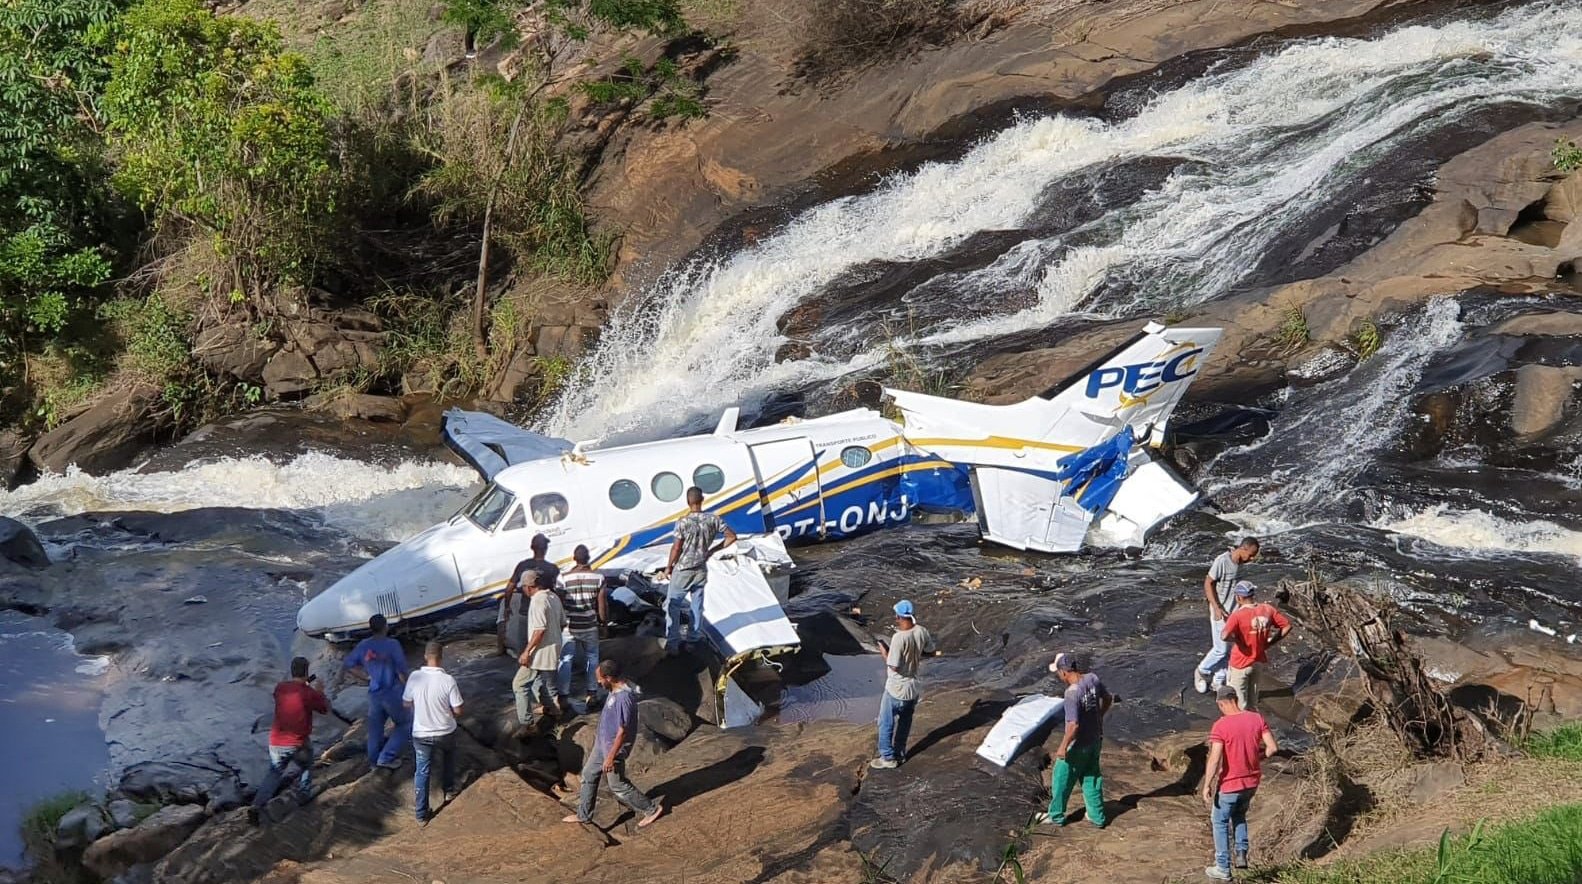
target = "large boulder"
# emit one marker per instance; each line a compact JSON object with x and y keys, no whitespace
{"x":105,"y":437}
{"x":19,"y":544}
{"x":146,"y":842}
{"x":193,"y":780}
{"x":81,"y":826}
{"x":234,"y":349}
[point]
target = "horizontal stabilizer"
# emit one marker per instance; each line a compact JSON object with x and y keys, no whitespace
{"x":490,"y":444}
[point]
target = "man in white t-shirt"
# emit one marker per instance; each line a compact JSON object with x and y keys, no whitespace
{"x":1217,"y":590}
{"x":435,"y":701}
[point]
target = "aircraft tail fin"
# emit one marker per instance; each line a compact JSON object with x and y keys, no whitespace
{"x":1047,"y":469}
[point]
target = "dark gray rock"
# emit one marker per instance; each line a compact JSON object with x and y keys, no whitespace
{"x":81,"y":826}
{"x":123,"y":813}
{"x":13,"y":454}
{"x":18,"y":544}
{"x":147,"y":842}
{"x":225,"y":795}
{"x":665,"y":719}
{"x":188,"y":781}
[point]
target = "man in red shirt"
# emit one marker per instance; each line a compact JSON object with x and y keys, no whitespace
{"x":1250,"y":631}
{"x":290,"y":738}
{"x":1237,"y":746}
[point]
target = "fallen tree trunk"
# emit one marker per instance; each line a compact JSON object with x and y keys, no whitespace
{"x":1411,"y":701}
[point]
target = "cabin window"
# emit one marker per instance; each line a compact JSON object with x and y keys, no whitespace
{"x":709,"y":477}
{"x":625,"y":494}
{"x":517,"y":521}
{"x":855,"y":456}
{"x":667,"y":486}
{"x":489,"y":507}
{"x":548,"y":508}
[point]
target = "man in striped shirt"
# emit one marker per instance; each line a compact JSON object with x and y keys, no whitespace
{"x":586,"y":602}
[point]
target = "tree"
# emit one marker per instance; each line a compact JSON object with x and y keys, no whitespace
{"x":54,"y":207}
{"x":216,"y":128}
{"x":510,"y":178}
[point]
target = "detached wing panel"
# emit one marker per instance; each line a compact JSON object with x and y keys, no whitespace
{"x":490,"y":444}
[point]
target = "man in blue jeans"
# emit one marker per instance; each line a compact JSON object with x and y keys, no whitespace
{"x":902,"y":655}
{"x":435,"y":701}
{"x":1237,"y":745}
{"x":688,"y":568}
{"x":383,"y":662}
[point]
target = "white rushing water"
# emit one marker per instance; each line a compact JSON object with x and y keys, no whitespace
{"x":369,"y":501}
{"x":1484,"y":533}
{"x":1325,"y":436}
{"x":1267,"y":142}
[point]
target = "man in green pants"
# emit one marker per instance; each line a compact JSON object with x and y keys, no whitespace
{"x":1077,"y":759}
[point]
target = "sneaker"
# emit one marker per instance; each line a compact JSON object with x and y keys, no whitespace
{"x":1217,"y":873}
{"x":1200,"y":681}
{"x":389,"y":765}
{"x":1239,"y":859}
{"x":449,"y":797}
{"x":254,"y":818}
{"x":653,"y":816}
{"x":883,"y":764}
{"x":572,"y":818}
{"x":422,"y":821}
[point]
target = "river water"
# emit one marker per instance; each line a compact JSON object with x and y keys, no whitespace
{"x":1180,"y":192}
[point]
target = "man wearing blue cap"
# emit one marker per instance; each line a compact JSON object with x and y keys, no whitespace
{"x":902,"y":654}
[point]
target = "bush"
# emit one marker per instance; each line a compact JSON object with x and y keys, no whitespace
{"x":1567,"y":155}
{"x":216,"y":127}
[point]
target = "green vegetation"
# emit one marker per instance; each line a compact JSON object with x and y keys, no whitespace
{"x":42,"y":819}
{"x":1367,"y":340}
{"x":1563,"y":743}
{"x":1546,"y":849}
{"x":1567,"y":155}
{"x":164,"y":166}
{"x":1293,"y":331}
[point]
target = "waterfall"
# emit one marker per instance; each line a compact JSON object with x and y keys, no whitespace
{"x":1262,"y":145}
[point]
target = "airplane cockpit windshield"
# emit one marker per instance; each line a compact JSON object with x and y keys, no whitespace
{"x":489,"y":507}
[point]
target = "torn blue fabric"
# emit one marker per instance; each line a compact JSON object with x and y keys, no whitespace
{"x":1094,"y":475}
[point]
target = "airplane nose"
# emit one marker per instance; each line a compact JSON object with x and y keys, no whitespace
{"x":339,"y":609}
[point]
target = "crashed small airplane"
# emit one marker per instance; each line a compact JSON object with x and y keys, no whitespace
{"x":1053,"y":473}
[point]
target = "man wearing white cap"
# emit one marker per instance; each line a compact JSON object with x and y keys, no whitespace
{"x":902,"y":655}
{"x":1077,"y":759}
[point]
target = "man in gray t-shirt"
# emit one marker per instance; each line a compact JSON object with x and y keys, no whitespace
{"x":688,"y":568}
{"x":1217,"y":590}
{"x":902,"y":656}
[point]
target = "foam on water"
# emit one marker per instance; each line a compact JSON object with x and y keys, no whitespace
{"x":369,"y":501}
{"x":1483,"y":533}
{"x":1268,"y":142}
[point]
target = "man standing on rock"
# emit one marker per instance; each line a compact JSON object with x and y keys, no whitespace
{"x":1217,"y":589}
{"x":902,"y":655}
{"x":384,"y":663}
{"x":435,"y":701}
{"x":537,"y":680}
{"x":544,"y":573}
{"x":291,"y":736}
{"x":1251,"y":630}
{"x":616,"y":735}
{"x":1237,"y":746}
{"x":587,"y":607}
{"x":688,"y":567}
{"x":1077,"y":759}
